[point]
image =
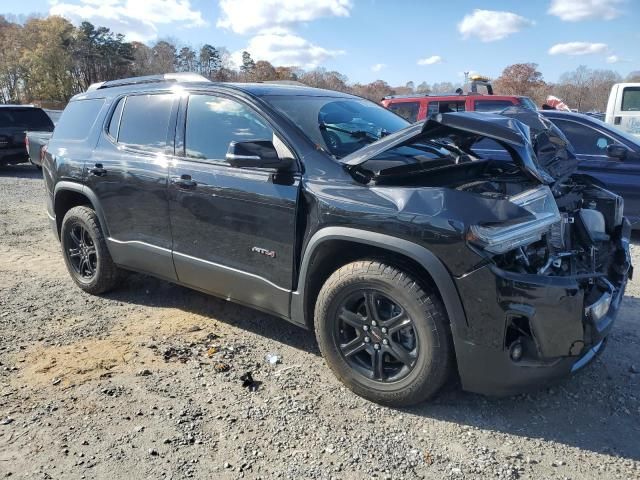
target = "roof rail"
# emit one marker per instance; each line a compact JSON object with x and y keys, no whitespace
{"x":283,"y":82}
{"x":446,"y":94}
{"x":180,"y":77}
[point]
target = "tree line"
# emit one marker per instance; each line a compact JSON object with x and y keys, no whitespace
{"x":48,"y":60}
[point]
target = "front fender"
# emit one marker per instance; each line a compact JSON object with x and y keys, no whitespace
{"x":440,"y":275}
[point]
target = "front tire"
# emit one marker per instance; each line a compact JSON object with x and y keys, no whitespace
{"x":383,"y":334}
{"x":85,"y":252}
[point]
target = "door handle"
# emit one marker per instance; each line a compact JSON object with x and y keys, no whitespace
{"x":184,"y":181}
{"x":617,"y":120}
{"x":98,"y":170}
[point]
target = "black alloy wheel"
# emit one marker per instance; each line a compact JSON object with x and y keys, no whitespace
{"x":81,"y":251}
{"x":85,"y":251}
{"x":376,"y":336}
{"x":384,"y":332}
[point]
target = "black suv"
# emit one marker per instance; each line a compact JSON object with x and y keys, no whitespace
{"x":15,"y":120}
{"x":409,"y":257}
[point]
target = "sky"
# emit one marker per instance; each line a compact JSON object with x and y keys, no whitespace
{"x":397,"y":41}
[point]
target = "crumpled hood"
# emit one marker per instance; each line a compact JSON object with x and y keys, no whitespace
{"x":535,"y":144}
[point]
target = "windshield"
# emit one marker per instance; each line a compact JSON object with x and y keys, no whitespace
{"x":339,"y":125}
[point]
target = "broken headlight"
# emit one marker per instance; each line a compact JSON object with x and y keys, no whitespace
{"x":501,"y":239}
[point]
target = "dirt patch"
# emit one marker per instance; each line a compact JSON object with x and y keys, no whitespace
{"x":133,"y":344}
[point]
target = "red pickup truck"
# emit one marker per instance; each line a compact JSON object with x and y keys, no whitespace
{"x":419,"y":107}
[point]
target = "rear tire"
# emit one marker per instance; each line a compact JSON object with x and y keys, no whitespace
{"x":85,"y":252}
{"x":397,"y":329}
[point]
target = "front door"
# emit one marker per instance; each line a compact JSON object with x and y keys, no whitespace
{"x":128,"y":172}
{"x":233,"y":229}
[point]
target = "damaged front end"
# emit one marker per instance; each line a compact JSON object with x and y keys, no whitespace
{"x":552,"y":246}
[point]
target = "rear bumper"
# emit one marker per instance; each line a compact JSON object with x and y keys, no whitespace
{"x":558,"y":329}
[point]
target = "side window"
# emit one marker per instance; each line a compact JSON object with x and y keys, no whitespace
{"x":433,"y":108}
{"x":585,"y":140}
{"x":214,"y":122}
{"x":447,"y":107}
{"x":407,"y":110}
{"x":491,"y":105}
{"x":78,"y":119}
{"x":114,"y":123}
{"x":631,"y":99}
{"x":145,"y":121}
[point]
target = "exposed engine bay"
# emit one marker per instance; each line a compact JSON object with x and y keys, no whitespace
{"x":580,"y":244}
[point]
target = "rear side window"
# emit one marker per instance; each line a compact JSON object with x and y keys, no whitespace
{"x":432,"y":108}
{"x":78,"y":119}
{"x":447,"y":107}
{"x":407,"y":110}
{"x":25,"y":118}
{"x":526,"y":102}
{"x":491,"y":105}
{"x":214,"y":122}
{"x":631,"y":99}
{"x":145,"y":121}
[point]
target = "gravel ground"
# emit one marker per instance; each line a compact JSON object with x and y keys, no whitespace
{"x":133,"y":385}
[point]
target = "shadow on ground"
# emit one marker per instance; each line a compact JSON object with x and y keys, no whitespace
{"x":149,"y":291}
{"x":24,"y":170}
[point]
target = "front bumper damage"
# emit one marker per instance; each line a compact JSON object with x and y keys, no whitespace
{"x":558,"y":328}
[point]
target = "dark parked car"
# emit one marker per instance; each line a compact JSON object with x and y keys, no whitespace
{"x":408,"y":257}
{"x":603,"y":152}
{"x":15,"y":120}
{"x":607,"y":153}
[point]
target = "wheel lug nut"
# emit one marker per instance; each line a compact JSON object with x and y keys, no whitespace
{"x":385,"y":341}
{"x":373,"y":324}
{"x":384,"y":329}
{"x":365,"y":327}
{"x":367,"y":339}
{"x":376,"y":346}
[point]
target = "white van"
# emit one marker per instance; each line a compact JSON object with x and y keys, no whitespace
{"x":623,"y":109}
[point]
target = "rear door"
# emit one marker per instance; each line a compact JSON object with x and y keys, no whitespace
{"x":233,"y":229}
{"x":128,"y":173}
{"x":620,"y":176}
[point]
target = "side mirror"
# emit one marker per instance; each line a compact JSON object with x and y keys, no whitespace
{"x":617,"y":151}
{"x":256,"y":154}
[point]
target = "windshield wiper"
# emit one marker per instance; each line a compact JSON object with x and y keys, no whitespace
{"x":362,"y":134}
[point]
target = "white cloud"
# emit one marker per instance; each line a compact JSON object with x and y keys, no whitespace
{"x":577,"y":10}
{"x":282,"y":48}
{"x":377,"y":67}
{"x":613,"y":59}
{"x":490,"y":25}
{"x":136,"y":19}
{"x":432,"y":60}
{"x":246,"y":16}
{"x":578,"y":48}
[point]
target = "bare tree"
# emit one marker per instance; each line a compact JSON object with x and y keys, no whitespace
{"x":585,"y":89}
